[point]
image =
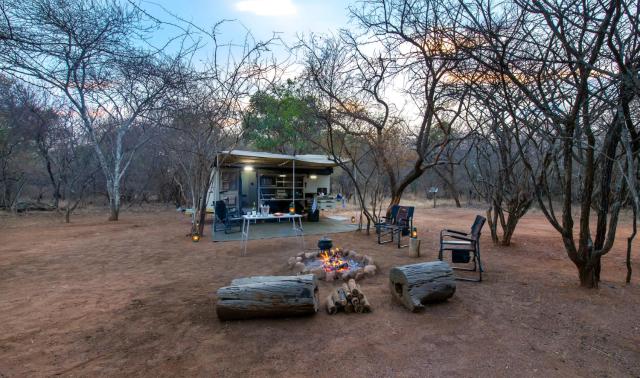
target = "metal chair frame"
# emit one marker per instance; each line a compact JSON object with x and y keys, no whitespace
{"x":453,"y":240}
{"x":392,"y":226}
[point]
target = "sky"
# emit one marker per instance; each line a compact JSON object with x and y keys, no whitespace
{"x":261,"y":17}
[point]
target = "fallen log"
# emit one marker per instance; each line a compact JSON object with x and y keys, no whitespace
{"x":336,"y":299}
{"x":354,"y":288}
{"x":268,"y":296}
{"x":366,"y":306}
{"x":347,"y":292}
{"x":418,"y":284}
{"x":331,"y":306}
{"x":343,"y":296}
{"x":355,"y":302}
{"x":348,"y":308}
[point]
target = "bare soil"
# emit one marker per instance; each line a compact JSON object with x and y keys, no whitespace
{"x":137,"y":298}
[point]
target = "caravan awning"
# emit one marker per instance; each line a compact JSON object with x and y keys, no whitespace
{"x":267,"y":159}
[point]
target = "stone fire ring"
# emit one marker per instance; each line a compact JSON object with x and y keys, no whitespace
{"x":297,"y":264}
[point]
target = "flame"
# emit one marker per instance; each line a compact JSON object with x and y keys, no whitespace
{"x":332,"y":260}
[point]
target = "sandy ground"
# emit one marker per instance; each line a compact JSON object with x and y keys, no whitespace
{"x":136,"y":298}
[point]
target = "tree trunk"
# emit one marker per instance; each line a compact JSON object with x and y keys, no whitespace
{"x":114,"y":199}
{"x":268,"y":296}
{"x":492,"y":223}
{"x":114,"y":210}
{"x":629,"y":244}
{"x":418,"y":284}
{"x":589,"y":273}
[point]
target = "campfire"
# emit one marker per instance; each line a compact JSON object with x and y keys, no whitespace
{"x":331,"y":263}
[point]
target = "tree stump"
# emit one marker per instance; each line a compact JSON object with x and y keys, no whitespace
{"x":268,"y":296}
{"x":418,"y":284}
{"x":414,"y":247}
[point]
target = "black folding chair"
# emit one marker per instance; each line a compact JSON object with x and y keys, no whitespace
{"x":464,"y":248}
{"x":224,"y":220}
{"x":397,"y":225}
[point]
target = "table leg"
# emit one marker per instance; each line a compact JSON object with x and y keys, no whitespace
{"x":301,"y":231}
{"x":246,"y":239}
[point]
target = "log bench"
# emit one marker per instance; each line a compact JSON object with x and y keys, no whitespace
{"x":267,"y":297}
{"x":418,"y":284}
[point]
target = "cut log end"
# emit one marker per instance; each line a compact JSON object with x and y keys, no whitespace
{"x":419,"y":284}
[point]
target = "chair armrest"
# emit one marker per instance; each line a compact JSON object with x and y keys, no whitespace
{"x":447,"y":232}
{"x":455,"y":232}
{"x":461,"y":237}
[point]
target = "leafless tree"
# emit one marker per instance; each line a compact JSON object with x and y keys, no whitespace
{"x":209,"y":112}
{"x":96,"y":55}
{"x":552,"y":53}
{"x":392,"y":45}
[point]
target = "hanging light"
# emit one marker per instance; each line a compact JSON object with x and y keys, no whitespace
{"x":414,"y":232}
{"x":313,"y":177}
{"x":248,"y":168}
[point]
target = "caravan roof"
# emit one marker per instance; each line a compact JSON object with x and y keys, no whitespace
{"x":267,"y":159}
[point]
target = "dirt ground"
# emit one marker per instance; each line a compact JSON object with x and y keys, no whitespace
{"x":136,"y":298}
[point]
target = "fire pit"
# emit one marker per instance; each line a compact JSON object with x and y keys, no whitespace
{"x":331,"y":263}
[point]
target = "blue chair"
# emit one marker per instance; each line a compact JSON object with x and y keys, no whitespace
{"x":224,"y":218}
{"x":398,"y":224}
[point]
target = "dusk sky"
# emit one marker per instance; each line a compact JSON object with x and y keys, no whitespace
{"x":263,"y":17}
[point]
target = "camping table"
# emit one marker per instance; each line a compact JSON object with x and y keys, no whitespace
{"x":246,"y":222}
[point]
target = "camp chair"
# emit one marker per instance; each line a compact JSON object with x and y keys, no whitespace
{"x":398,"y":224}
{"x":462,"y":245}
{"x":225,"y":219}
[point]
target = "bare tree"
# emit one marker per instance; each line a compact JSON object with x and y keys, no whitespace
{"x":93,"y":54}
{"x":551,"y":52}
{"x":210,"y":110}
{"x":393,"y":45}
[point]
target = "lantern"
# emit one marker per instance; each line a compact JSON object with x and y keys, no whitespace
{"x":353,"y":219}
{"x":195,"y":237}
{"x":414,"y":232}
{"x":292,"y":209}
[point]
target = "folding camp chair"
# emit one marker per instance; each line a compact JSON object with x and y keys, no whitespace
{"x":397,"y":225}
{"x":462,"y":246}
{"x":225,"y":219}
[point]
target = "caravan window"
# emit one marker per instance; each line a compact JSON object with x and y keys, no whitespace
{"x":228,"y":180}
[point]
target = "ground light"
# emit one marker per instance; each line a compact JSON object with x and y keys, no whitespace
{"x":195,"y":238}
{"x":353,"y":219}
{"x":414,"y":232}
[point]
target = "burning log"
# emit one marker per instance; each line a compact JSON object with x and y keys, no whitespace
{"x":268,"y":296}
{"x":418,"y":284}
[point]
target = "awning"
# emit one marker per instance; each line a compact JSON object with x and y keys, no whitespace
{"x":267,"y":159}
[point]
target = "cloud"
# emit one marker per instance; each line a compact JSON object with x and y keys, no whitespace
{"x":267,"y":7}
